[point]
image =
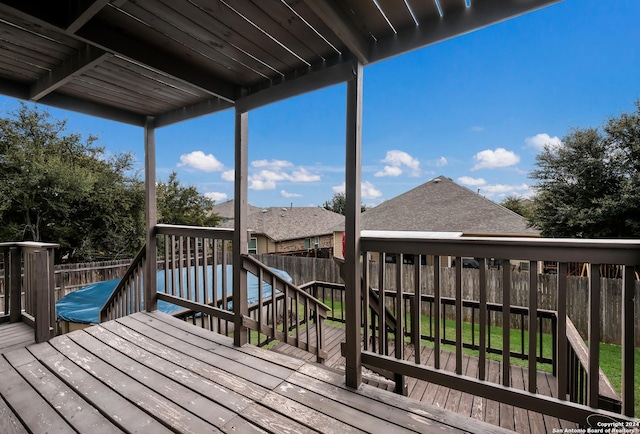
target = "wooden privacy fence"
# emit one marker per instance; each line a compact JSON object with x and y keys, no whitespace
{"x":304,"y":270}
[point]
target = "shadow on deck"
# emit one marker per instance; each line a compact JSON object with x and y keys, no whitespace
{"x":477,"y":408}
{"x":150,"y":372}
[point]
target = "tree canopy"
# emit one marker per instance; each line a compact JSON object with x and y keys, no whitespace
{"x":180,"y":205}
{"x":590,"y":186}
{"x":59,"y":187}
{"x":337,"y":204}
{"x":519,"y":205}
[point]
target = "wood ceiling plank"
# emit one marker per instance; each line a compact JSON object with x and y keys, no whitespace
{"x":158,"y":78}
{"x":397,"y":13}
{"x":21,"y":69}
{"x":294,"y":24}
{"x":239,"y":25}
{"x":28,"y":56}
{"x":274,"y":30}
{"x":27,"y":40}
{"x":424,"y":10}
{"x":366,"y":12}
{"x":204,"y":35}
{"x":125,"y":78}
{"x":314,"y":20}
{"x":117,"y":41}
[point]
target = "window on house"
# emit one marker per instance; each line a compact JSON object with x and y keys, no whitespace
{"x":307,"y":243}
{"x":253,"y":246}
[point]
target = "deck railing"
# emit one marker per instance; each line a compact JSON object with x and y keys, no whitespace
{"x":595,"y":252}
{"x":29,"y":286}
{"x":194,"y":273}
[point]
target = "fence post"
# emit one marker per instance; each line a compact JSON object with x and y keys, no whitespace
{"x":14,"y":284}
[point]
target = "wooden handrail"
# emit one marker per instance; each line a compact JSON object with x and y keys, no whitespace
{"x":608,"y":398}
{"x":107,"y":308}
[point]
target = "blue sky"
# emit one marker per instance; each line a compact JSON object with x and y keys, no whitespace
{"x":476,"y":109}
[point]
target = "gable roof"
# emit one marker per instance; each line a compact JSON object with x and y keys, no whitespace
{"x":226,"y":209}
{"x":441,"y":205}
{"x":292,"y":223}
{"x":281,"y":224}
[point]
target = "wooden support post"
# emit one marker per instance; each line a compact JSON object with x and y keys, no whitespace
{"x":150,"y":280}
{"x":353,"y":188}
{"x":240,"y":247}
{"x":593,"y":376}
{"x":41,"y":269}
{"x":628,"y":347}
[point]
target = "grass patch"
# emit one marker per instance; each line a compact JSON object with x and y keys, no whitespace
{"x":611,"y":364}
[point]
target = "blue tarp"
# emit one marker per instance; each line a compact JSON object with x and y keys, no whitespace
{"x":83,"y":306}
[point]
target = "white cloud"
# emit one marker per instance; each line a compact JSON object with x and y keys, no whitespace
{"x":260,"y":184}
{"x":477,"y":128}
{"x":199,"y":161}
{"x":467,"y":180}
{"x":389,"y":171}
{"x":229,"y":175}
{"x":504,"y":190}
{"x":284,"y":193}
{"x":216,"y":196}
{"x":303,"y":175}
{"x":442,"y":162}
{"x":489,"y":159}
{"x":274,"y":171}
{"x":368,"y":190}
{"x":272,"y":164}
{"x":539,"y":141}
{"x":396,"y":160}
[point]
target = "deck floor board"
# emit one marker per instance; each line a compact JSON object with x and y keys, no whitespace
{"x":14,"y":336}
{"x":150,"y":372}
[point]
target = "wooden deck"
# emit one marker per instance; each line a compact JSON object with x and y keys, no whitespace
{"x":154,"y":373}
{"x":507,"y":416}
{"x":15,"y":335}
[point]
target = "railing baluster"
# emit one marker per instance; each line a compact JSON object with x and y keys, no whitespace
{"x":593,"y":382}
{"x":187,"y":270}
{"x":399,"y":331}
{"x":261,"y":300}
{"x":506,"y":320}
{"x":561,"y":343}
{"x":436,"y":311}
{"x":533,"y":318}
{"x":166,"y":263}
{"x":628,"y":347}
{"x":382,"y":333}
{"x":365,"y":301}
{"x":458,"y":315}
{"x":482,"y":362}
{"x":416,"y":323}
{"x":196,"y":268}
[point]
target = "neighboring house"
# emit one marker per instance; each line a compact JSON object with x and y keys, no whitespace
{"x":440,"y":205}
{"x":301,"y":231}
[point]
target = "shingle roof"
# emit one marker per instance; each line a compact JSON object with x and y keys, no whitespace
{"x":441,"y":205}
{"x":290,"y":223}
{"x":226,"y":211}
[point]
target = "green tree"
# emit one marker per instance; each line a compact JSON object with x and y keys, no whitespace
{"x":180,"y":205}
{"x":337,"y":204}
{"x":59,"y":187}
{"x":590,"y":186}
{"x":519,"y":205}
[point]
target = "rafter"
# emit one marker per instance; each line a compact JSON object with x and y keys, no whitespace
{"x":86,"y":59}
{"x":84,"y":16}
{"x":339,"y":23}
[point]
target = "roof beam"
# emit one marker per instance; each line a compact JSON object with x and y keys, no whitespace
{"x":309,"y":82}
{"x":86,"y":58}
{"x":85,"y":15}
{"x":193,"y":111}
{"x":482,"y":13}
{"x":340,"y":24}
{"x":114,"y":41}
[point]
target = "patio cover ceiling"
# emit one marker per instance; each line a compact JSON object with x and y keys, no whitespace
{"x":177,"y":59}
